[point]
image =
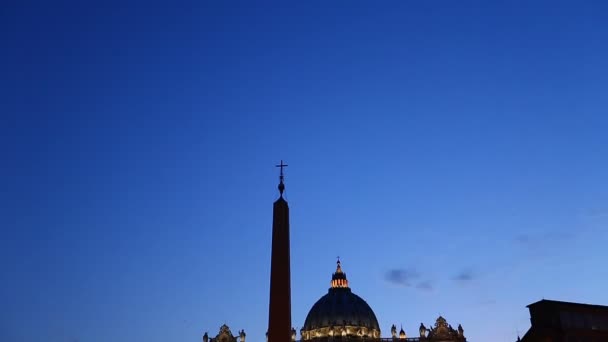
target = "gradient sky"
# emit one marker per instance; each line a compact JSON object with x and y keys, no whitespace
{"x":452,"y":153}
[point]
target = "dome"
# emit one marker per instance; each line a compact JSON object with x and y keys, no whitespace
{"x":338,"y":307}
{"x":340,"y":312}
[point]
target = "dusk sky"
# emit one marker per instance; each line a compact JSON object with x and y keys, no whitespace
{"x":454,"y":154}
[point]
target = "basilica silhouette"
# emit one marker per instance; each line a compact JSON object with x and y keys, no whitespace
{"x":338,"y":316}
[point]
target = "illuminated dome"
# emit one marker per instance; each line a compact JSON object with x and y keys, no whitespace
{"x":340,"y":313}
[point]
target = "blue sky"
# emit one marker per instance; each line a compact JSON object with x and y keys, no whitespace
{"x":452,"y":153}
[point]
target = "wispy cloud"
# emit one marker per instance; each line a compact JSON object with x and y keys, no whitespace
{"x":529,"y":239}
{"x":402,"y":277}
{"x":487,"y":302}
{"x":408,"y":278}
{"x":425,"y":285}
{"x":464,"y":276}
{"x":523,"y":239}
{"x":542,"y":245}
{"x":595,"y":213}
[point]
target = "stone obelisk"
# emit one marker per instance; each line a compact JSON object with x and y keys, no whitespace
{"x":279,"y":313}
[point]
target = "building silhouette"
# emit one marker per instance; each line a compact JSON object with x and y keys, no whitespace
{"x":555,"y":321}
{"x":338,"y":316}
{"x":342,"y":316}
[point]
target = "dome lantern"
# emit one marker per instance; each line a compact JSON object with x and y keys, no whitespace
{"x":338,"y":279}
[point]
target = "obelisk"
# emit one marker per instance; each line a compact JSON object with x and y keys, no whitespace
{"x":279,"y":313}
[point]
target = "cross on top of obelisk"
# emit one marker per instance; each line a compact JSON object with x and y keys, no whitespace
{"x":281,"y":177}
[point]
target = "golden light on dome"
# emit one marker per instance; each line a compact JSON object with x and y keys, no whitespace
{"x":339,"y":283}
{"x":338,"y":280}
{"x":402,"y":333}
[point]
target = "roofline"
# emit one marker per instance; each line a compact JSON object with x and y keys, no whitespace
{"x":549,"y":301}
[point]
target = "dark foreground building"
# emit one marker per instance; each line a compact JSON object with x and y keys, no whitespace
{"x":555,"y":321}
